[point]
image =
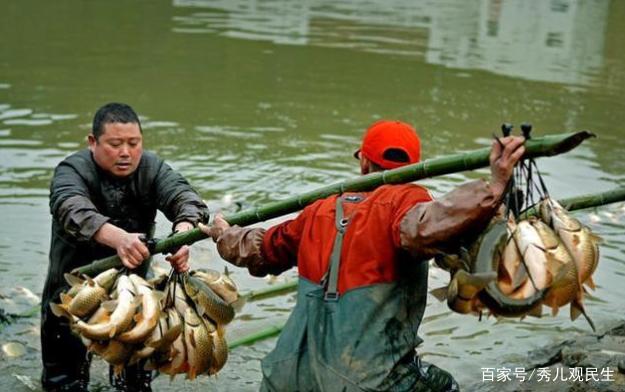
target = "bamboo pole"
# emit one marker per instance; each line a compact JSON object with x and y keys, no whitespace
{"x":271,"y":291}
{"x":572,"y":204}
{"x":252,"y":338}
{"x":548,"y":145}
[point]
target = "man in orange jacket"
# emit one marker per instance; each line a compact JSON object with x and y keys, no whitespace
{"x":362,"y":264}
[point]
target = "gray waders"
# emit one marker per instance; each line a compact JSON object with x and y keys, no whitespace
{"x":363,"y":339}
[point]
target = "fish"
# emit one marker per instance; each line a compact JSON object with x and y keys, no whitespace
{"x":565,"y":286}
{"x":198,"y":343}
{"x":486,"y":256}
{"x":463,"y":289}
{"x":452,"y":262}
{"x":581,"y":243}
{"x":123,"y":310}
{"x":114,"y":352}
{"x":220,"y":351}
{"x":26,"y":292}
{"x":99,"y":316}
{"x":207,"y":302}
{"x":141,"y":353}
{"x":152,"y":342}
{"x":85,"y":295}
{"x":221,"y":284}
{"x":512,"y":271}
{"x":532,"y":250}
{"x":104,"y":279}
{"x":177,"y":294}
{"x":161,"y":339}
{"x":13,"y":349}
{"x":148,"y":318}
{"x":178,"y":352}
{"x":87,"y":299}
{"x":107,"y":278}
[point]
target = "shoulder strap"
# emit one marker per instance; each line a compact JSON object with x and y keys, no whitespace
{"x":332,"y":275}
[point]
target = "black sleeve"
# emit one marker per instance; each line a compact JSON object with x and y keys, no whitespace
{"x":71,"y":205}
{"x":177,"y":199}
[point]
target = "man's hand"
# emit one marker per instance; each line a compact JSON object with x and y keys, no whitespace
{"x":503,"y":157}
{"x":180,"y":260}
{"x":216,"y":229}
{"x":131,"y":250}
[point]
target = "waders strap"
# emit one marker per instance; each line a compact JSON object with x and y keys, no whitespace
{"x":332,"y":275}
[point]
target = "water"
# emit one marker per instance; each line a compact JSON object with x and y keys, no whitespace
{"x":256,"y":101}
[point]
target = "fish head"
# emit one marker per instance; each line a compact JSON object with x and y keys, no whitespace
{"x":191,"y":319}
{"x":561,"y":219}
{"x":525,"y":229}
{"x":207,"y":275}
{"x":139,"y":283}
{"x":548,"y":236}
{"x":173,"y":318}
{"x":526,"y":235}
{"x":545,"y":210}
{"x":107,"y":278}
{"x":124,"y":284}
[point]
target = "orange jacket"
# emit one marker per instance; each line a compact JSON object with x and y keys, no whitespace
{"x":369,"y":249}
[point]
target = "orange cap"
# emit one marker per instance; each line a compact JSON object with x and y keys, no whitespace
{"x":386,"y":135}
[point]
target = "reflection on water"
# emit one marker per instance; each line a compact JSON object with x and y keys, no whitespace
{"x":556,"y":41}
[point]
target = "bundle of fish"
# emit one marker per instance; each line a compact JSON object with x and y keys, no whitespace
{"x":174,"y":324}
{"x":515,"y":268}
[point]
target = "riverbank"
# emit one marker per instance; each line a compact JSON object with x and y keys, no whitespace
{"x":590,"y":362}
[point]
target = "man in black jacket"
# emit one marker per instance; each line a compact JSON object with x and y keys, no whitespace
{"x":103,"y":201}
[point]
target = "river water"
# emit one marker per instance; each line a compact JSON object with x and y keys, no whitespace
{"x":254,"y":101}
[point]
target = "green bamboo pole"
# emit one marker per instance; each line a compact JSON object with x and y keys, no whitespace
{"x":271,"y":291}
{"x":548,"y":145}
{"x":252,"y":338}
{"x":572,"y":204}
{"x":589,"y":200}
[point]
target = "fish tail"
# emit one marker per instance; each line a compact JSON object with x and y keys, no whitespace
{"x":590,"y":283}
{"x":576,"y":309}
{"x":440,"y":293}
{"x":61,"y":311}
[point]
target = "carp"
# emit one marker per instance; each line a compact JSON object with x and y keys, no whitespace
{"x":221,"y":284}
{"x":147,"y":320}
{"x":120,"y":318}
{"x":220,"y":351}
{"x":565,"y":286}
{"x":207,"y":302}
{"x":198,"y":343}
{"x":581,"y":243}
{"x":463,"y":289}
{"x":165,"y":333}
{"x":160,"y":340}
{"x":105,"y":280}
{"x":512,"y":271}
{"x":488,"y":251}
{"x":532,"y":250}
{"x":177,"y":295}
{"x":178,"y":352}
{"x":114,"y":352}
{"x":87,"y":294}
{"x":86,"y":301}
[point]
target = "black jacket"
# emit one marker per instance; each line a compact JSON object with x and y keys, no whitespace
{"x":83,"y":197}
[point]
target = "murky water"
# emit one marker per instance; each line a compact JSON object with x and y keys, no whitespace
{"x":258,"y":100}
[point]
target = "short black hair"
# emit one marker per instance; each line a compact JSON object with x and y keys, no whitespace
{"x":113,"y":112}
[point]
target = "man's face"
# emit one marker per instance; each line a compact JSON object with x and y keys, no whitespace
{"x":118,"y":149}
